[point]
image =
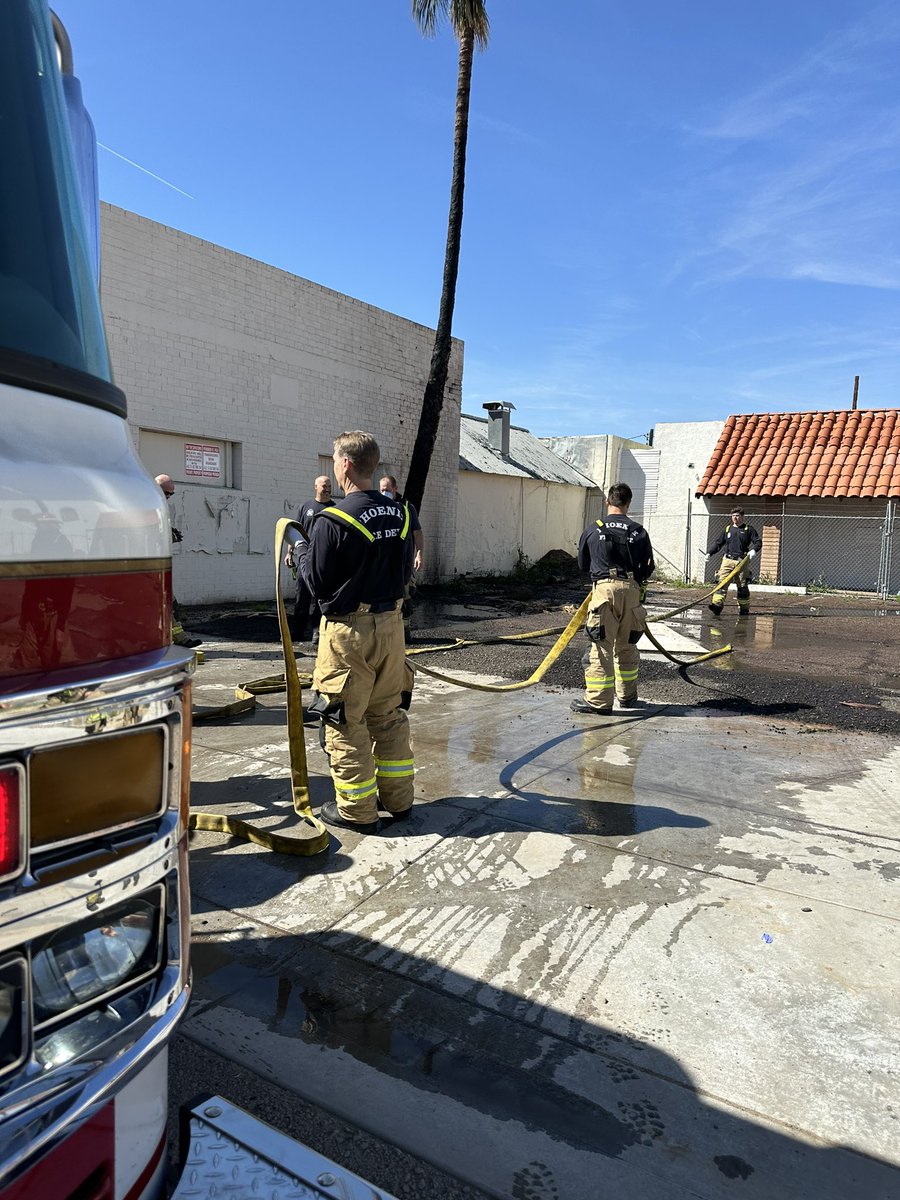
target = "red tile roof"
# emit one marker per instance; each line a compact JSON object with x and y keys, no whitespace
{"x":844,"y":453}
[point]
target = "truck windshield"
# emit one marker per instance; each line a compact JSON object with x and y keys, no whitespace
{"x":50,"y":320}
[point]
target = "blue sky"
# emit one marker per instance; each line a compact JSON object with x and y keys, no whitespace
{"x":673,"y":211}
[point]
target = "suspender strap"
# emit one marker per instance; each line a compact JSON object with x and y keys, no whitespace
{"x":620,"y":539}
{"x":336,"y":512}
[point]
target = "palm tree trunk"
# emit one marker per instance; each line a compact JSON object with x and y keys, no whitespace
{"x":433,"y":400}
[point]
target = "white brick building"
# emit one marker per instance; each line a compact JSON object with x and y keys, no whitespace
{"x":238,"y":376}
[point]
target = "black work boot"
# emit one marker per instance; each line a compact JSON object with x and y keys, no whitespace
{"x":330,"y":814}
{"x":396,"y":816}
{"x":582,"y":706}
{"x":715,"y":608}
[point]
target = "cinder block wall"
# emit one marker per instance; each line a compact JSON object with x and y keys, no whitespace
{"x":208,"y":343}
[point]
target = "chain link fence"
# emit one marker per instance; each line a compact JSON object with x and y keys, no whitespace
{"x":821,"y":552}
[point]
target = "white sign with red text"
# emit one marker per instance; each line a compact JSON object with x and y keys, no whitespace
{"x":202,"y":460}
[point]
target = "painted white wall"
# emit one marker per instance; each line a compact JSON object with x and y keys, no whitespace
{"x":501,"y":518}
{"x":684,"y":449}
{"x":210,"y":344}
{"x":595,"y":455}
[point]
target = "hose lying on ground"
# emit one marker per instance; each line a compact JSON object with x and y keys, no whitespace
{"x":292,"y":682}
{"x":568,"y":633}
{"x":246,"y":693}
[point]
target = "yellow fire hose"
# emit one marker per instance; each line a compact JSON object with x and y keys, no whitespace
{"x":568,"y":633}
{"x":556,"y":650}
{"x":290,"y":680}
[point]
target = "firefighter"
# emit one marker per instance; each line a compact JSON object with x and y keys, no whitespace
{"x":387,"y":485}
{"x":357,"y":565}
{"x":306,"y":611}
{"x":618,"y":554}
{"x":739,"y":540}
{"x":180,"y":637}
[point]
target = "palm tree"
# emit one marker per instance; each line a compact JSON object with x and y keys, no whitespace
{"x":469,"y":22}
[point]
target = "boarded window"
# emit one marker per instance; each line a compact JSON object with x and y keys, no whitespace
{"x":196,"y":459}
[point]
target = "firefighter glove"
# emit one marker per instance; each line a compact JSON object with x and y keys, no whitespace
{"x":751,"y":554}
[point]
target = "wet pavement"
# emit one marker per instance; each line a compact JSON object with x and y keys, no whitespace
{"x":654,"y":954}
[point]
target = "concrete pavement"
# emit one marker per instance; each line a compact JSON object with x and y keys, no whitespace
{"x":653,"y":955}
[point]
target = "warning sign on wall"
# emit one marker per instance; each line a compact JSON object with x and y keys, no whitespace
{"x":205,"y":461}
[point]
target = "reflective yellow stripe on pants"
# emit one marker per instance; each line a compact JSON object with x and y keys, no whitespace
{"x":627,"y":676}
{"x":611,"y":664}
{"x":394,"y":768}
{"x":395,"y":783}
{"x":351,"y":793}
{"x":362,"y":663}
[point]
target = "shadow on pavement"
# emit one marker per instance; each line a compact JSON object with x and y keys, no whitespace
{"x":517,"y":1097}
{"x":584,"y":813}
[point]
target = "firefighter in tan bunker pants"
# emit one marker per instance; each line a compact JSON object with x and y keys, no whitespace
{"x":617,"y":553}
{"x":739,"y":540}
{"x":357,"y":564}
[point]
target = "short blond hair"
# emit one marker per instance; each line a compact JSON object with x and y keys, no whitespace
{"x":362,"y":450}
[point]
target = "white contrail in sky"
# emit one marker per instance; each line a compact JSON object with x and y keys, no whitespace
{"x":144,"y":169}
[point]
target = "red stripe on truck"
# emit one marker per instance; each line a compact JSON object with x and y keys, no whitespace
{"x":52,"y":621}
{"x":83,"y":1164}
{"x":136,"y":1191}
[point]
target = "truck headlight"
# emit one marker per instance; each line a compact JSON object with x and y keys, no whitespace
{"x":96,"y":958}
{"x":88,"y":1031}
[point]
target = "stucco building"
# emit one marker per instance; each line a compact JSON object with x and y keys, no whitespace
{"x":517,"y":499}
{"x":821,"y":487}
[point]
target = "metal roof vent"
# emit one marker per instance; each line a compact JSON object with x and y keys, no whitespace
{"x":498,"y":426}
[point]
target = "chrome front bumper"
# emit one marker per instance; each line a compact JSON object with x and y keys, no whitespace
{"x":40,"y":1105}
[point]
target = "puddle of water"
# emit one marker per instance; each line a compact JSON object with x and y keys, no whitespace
{"x":759,"y":632}
{"x":435,"y":613}
{"x":307,"y":1002}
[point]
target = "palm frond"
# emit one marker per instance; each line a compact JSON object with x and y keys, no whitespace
{"x":465,"y":16}
{"x":427,"y":13}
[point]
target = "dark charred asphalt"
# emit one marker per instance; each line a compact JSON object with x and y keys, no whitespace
{"x":821,"y":659}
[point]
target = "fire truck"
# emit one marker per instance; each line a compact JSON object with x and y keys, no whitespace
{"x":95,"y":713}
{"x":94,"y":701}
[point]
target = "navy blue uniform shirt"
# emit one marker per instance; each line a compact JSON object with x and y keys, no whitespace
{"x":737,"y":540}
{"x":614,"y":546}
{"x":360,"y":552}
